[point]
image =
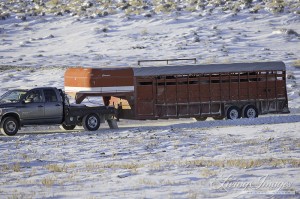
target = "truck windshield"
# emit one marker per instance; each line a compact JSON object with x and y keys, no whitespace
{"x":12,"y":96}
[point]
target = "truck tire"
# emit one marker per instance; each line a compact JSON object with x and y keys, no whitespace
{"x":250,"y":112}
{"x":91,"y":122}
{"x":67,"y":127}
{"x":233,"y":113}
{"x":9,"y":126}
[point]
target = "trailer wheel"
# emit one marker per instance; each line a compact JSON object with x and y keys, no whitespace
{"x":218,"y":117}
{"x":67,"y":127}
{"x":91,"y":122}
{"x":200,"y":118}
{"x":9,"y":126}
{"x":233,"y":113}
{"x":250,"y":112}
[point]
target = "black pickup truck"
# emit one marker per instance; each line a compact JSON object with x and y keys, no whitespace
{"x":48,"y":105}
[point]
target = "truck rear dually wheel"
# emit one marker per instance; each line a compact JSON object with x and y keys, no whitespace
{"x":91,"y":122}
{"x":9,"y":126}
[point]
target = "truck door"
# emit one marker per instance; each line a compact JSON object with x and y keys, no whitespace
{"x":53,"y":106}
{"x":33,"y":111}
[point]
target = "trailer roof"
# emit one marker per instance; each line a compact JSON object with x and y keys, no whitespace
{"x":208,"y":68}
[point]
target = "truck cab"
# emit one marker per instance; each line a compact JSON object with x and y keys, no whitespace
{"x":34,"y":106}
{"x":47,"y":105}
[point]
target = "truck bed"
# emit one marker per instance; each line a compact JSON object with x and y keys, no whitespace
{"x":81,"y":110}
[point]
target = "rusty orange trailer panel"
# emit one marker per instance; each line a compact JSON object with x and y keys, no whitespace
{"x":98,"y":80}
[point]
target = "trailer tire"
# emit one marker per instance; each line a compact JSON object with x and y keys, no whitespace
{"x":233,"y":113}
{"x":9,"y":126}
{"x":250,"y":111}
{"x":200,"y":118}
{"x":218,"y":117}
{"x":91,"y":122}
{"x":67,"y":127}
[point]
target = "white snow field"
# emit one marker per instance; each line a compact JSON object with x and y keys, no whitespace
{"x":196,"y":160}
{"x":246,"y":158}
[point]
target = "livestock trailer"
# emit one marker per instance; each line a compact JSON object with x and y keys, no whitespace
{"x":182,"y":91}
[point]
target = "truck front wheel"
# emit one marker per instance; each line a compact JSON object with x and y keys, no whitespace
{"x":91,"y":122}
{"x":9,"y":126}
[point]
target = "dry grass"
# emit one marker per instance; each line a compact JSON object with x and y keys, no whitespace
{"x":122,"y":165}
{"x":19,"y":196}
{"x":166,"y":7}
{"x":144,"y":32}
{"x":206,"y":168}
{"x":267,"y":130}
{"x":256,"y":8}
{"x":94,"y":167}
{"x":32,"y":172}
{"x":276,"y":6}
{"x":156,"y":167}
{"x":210,"y":60}
{"x":296,"y":63}
{"x":5,"y":168}
{"x":55,"y":168}
{"x":147,"y":182}
{"x":239,"y":163}
{"x":161,"y":182}
{"x":16,"y":167}
{"x":48,"y":181}
{"x":206,"y":172}
{"x":100,"y":167}
{"x":139,"y":7}
{"x":226,"y":60}
{"x":71,"y":166}
{"x":192,"y":195}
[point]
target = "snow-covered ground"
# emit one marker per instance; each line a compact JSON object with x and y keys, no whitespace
{"x":161,"y":159}
{"x":192,"y":160}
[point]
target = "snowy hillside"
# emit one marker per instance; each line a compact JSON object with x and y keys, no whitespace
{"x":145,"y":159}
{"x":211,"y":32}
